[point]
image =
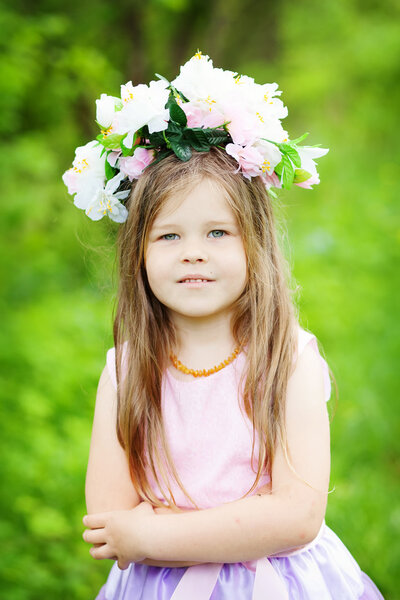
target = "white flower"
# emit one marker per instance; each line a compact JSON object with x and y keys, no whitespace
{"x":143,"y":105}
{"x":105,"y":201}
{"x":199,"y":81}
{"x":271,"y":156}
{"x":87,"y":172}
{"x":106,"y":109}
{"x":88,"y":161}
{"x":252,"y":109}
{"x":307,"y":155}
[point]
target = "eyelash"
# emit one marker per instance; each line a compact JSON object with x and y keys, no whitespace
{"x":163,"y":237}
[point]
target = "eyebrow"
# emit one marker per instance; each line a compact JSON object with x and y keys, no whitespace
{"x":221,"y":223}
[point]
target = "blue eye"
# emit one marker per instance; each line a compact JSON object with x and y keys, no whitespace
{"x":167,"y":236}
{"x":218,"y":231}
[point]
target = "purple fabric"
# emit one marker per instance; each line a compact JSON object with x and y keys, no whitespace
{"x":327,"y":571}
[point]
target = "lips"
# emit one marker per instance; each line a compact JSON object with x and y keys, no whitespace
{"x":194,"y":277}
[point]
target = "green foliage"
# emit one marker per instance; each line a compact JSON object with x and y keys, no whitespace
{"x":175,"y":111}
{"x":288,"y":170}
{"x":177,"y":138}
{"x":301,"y":175}
{"x":337,"y":64}
{"x":109,"y":170}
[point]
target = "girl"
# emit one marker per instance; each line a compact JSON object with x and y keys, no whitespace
{"x":209,"y":461}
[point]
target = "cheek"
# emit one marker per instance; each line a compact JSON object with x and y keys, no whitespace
{"x":238,"y":264}
{"x":150,"y":264}
{"x":156,"y":267}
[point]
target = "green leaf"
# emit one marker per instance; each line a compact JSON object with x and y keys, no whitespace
{"x":197,"y":139}
{"x":156,"y":138}
{"x":110,"y":171}
{"x":161,"y":77}
{"x":177,"y":114}
{"x":301,"y":175}
{"x":112,"y":141}
{"x":287,"y":172}
{"x":271,"y":192}
{"x":175,"y":111}
{"x":271,"y":142}
{"x":178,"y":94}
{"x":217,"y":136}
{"x":143,"y":132}
{"x":291,"y":153}
{"x":299,"y":139}
{"x":182,"y":151}
{"x":126,"y":151}
{"x":174,"y":128}
{"x":278,"y":169}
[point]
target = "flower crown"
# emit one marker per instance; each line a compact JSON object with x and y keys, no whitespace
{"x":202,"y":107}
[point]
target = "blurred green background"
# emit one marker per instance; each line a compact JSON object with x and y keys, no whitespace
{"x":337,"y":63}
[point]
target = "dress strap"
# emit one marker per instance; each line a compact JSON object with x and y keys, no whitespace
{"x":198,"y":582}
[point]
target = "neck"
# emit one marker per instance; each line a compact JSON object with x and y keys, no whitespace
{"x":202,"y":341}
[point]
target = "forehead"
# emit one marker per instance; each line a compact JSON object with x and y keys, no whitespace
{"x":204,"y":200}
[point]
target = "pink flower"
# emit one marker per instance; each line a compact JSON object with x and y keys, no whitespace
{"x":243,"y":126}
{"x":271,"y":180}
{"x":249,"y":159}
{"x":199,"y":116}
{"x":71,"y":179}
{"x":113,"y":157}
{"x":313,"y":180}
{"x":308,"y":154}
{"x":133,"y":166}
{"x":194,"y":114}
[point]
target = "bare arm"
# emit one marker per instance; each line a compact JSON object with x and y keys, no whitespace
{"x":108,"y":484}
{"x":287,"y":518}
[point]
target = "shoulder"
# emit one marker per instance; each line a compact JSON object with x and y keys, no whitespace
{"x":110,"y":363}
{"x":309,"y":365}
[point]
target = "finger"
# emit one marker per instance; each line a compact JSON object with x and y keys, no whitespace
{"x":123,"y":565}
{"x":94,"y":536}
{"x":95,"y":521}
{"x":102,"y":552}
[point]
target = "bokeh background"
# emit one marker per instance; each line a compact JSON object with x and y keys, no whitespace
{"x":337,"y":62}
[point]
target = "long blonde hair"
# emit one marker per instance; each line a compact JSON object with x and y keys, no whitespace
{"x":264,"y":320}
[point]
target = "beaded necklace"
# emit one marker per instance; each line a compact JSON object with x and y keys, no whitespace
{"x":203,"y":372}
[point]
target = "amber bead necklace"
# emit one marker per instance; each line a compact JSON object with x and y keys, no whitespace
{"x":204,"y":372}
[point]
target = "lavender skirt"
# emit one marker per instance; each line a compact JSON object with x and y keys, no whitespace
{"x":323,"y":570}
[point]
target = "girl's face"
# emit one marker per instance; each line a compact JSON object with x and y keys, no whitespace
{"x":196,"y":237}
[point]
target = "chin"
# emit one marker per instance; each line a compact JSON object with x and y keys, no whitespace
{"x":198,"y":313}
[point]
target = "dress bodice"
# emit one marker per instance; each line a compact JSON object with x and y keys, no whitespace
{"x":209,"y":433}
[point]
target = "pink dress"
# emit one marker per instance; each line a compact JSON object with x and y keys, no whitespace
{"x":211,"y":440}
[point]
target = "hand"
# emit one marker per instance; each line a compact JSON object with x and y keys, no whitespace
{"x":119,"y":534}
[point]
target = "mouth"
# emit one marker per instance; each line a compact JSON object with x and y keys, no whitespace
{"x":195,"y":278}
{"x":195,"y":281}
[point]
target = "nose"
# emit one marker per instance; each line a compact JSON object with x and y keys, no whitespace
{"x":194,"y":258}
{"x":194,"y":253}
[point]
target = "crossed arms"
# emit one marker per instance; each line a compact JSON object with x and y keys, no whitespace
{"x":287,"y":517}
